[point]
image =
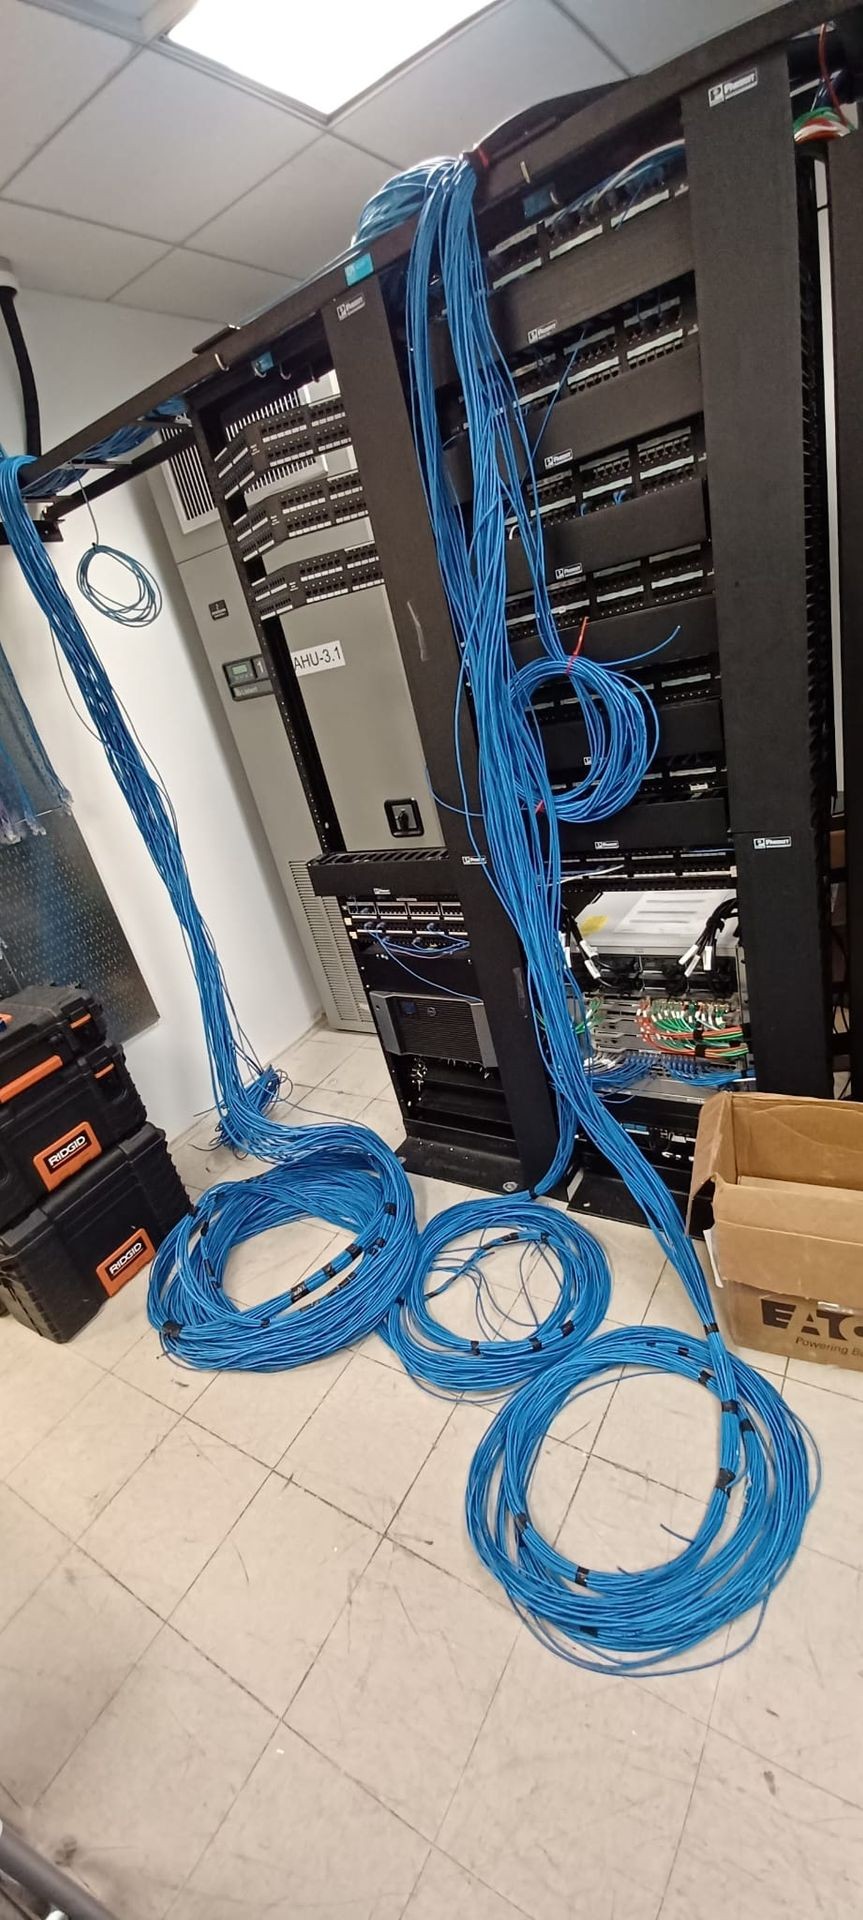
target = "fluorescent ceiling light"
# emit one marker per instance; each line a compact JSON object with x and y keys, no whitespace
{"x":321,"y":52}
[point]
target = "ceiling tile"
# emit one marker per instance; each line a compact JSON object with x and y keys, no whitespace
{"x":203,"y":288}
{"x":160,"y":150}
{"x":48,"y":68}
{"x":522,"y":52}
{"x":303,"y":215}
{"x":646,"y":34}
{"x":59,"y":255}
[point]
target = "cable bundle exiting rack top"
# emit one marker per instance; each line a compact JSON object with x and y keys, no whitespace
{"x":523,"y":865}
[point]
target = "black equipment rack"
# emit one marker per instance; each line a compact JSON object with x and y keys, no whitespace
{"x":701,"y":407}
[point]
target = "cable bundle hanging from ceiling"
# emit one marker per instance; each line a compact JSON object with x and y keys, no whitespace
{"x":761,"y":1444}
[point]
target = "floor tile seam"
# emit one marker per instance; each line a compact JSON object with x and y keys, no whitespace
{"x":75,"y":1538}
{"x":5,"y":1476}
{"x":770,"y":1760}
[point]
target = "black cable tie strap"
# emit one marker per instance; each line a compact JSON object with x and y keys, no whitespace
{"x":581,"y":1576}
{"x":711,"y":1326}
{"x":355,"y":1251}
{"x":390,"y":1206}
{"x":725,"y":1479}
{"x":684,"y":1351}
{"x":172,"y":1330}
{"x":650,"y":1343}
{"x":298,"y":1292}
{"x":400,"y":1300}
{"x":520,"y":1523}
{"x":475,"y":1349}
{"x":705,"y":1377}
{"x":746,"y":1426}
{"x":532,"y":1193}
{"x":545,"y":1239}
{"x":729,"y":1406}
{"x":266,"y":1322}
{"x":567,"y":1327}
{"x":508,"y":1238}
{"x":329,"y":1271}
{"x":536,"y":1343}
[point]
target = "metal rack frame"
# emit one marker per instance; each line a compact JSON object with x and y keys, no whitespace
{"x":760,"y":506}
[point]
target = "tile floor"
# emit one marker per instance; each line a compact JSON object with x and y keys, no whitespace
{"x":249,"y":1665}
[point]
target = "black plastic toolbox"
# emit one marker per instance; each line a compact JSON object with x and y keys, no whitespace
{"x":41,"y":1028}
{"x":51,"y":1131}
{"x":60,"y":1263}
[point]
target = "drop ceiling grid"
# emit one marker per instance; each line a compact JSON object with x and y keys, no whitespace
{"x":165,"y":185}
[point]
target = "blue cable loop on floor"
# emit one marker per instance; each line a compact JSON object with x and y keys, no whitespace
{"x":451,"y":1363}
{"x":342,"y":1174}
{"x":636,"y":1622}
{"x":522,"y":861}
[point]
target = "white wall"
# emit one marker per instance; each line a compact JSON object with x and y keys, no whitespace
{"x":88,"y":356}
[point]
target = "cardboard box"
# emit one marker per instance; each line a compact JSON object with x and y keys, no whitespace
{"x":786,"y":1178}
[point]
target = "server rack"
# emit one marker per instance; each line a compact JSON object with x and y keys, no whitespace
{"x":682,"y":481}
{"x":845,"y":174}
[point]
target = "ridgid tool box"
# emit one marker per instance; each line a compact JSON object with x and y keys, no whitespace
{"x":56,"y":1125}
{"x":87,"y":1189}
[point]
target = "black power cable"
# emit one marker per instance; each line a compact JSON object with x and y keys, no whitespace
{"x":29,"y":394}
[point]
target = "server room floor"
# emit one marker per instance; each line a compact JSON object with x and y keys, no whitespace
{"x":250,"y":1666}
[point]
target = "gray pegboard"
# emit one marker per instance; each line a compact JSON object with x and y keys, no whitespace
{"x":57,"y":923}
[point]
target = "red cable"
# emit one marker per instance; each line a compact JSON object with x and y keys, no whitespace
{"x":578,"y":645}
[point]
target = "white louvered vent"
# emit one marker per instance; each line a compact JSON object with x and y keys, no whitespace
{"x":334,"y":948}
{"x":187,"y":481}
{"x":188,"y":486}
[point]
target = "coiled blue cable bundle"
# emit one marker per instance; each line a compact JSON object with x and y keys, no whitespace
{"x":146,"y":604}
{"x":621,"y":1622}
{"x":341,"y":1174}
{"x":523,"y":865}
{"x":451,"y":1363}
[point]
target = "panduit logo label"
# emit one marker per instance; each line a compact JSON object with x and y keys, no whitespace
{"x":766,"y":843}
{"x":344,"y":308}
{"x":61,"y":1154}
{"x":606,"y":846}
{"x":558,"y":459}
{"x":575,"y":572}
{"x":540,"y":333}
